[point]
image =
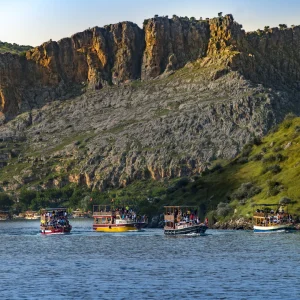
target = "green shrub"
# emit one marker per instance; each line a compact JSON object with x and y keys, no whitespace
{"x":217,"y":167}
{"x":182,"y":182}
{"x":256,"y":157}
{"x":275,"y":169}
{"x":279,"y":157}
{"x":223,"y":209}
{"x":246,"y":191}
{"x":242,"y":160}
{"x":267,"y":159}
{"x":285,"y":200}
{"x":274,"y":188}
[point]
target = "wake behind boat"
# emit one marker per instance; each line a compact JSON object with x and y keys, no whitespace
{"x":181,"y":220}
{"x":55,"y":221}
{"x":272,"y":218}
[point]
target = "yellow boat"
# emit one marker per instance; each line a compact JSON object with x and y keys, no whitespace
{"x":110,"y":219}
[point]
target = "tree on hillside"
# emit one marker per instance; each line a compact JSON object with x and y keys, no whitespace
{"x":266,"y":28}
{"x":282,"y":26}
{"x":5,"y":201}
{"x":26,"y":198}
{"x":220,"y":14}
{"x":285,"y":200}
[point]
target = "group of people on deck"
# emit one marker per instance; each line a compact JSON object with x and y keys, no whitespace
{"x":127,"y":213}
{"x":55,"y":218}
{"x":276,"y":217}
{"x":188,"y":217}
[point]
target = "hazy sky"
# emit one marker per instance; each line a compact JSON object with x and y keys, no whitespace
{"x":32,"y":22}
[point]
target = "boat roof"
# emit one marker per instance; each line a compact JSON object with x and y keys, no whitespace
{"x":53,"y":209}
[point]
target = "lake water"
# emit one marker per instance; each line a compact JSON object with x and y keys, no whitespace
{"x":146,"y":265}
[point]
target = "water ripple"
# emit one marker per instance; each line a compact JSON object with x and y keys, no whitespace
{"x":146,"y":265}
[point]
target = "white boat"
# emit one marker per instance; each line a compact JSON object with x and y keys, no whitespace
{"x":32,"y":215}
{"x":272,"y":218}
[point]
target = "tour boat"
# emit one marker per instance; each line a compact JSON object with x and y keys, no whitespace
{"x":55,"y":221}
{"x":272,"y":218}
{"x":79,"y":214}
{"x":112,"y":219}
{"x":4,"y":215}
{"x":31,"y":215}
{"x":182,"y":220}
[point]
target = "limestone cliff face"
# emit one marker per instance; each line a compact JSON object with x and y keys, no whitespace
{"x":171,"y":43}
{"x":99,"y":56}
{"x":123,"y":52}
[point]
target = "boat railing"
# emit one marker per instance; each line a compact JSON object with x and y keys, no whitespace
{"x":103,"y":213}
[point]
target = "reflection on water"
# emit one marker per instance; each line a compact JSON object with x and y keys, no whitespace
{"x":146,"y":265}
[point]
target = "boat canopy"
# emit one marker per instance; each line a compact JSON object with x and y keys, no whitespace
{"x":49,"y":209}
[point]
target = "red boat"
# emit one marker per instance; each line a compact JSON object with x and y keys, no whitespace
{"x":55,"y":221}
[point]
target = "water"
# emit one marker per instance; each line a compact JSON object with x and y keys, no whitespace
{"x":146,"y":265}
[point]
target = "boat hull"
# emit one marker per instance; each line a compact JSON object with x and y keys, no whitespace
{"x":118,"y":227}
{"x":49,"y":231}
{"x":274,"y":228}
{"x":182,"y":230}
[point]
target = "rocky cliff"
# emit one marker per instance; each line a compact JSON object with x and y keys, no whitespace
{"x":122,"y":52}
{"x":206,"y":88}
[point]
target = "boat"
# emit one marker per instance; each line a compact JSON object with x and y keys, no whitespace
{"x":113,"y":219}
{"x":32,"y":215}
{"x":79,"y":214}
{"x":54,"y":221}
{"x":182,"y":220}
{"x":272,"y":218}
{"x":20,"y":216}
{"x":4,"y":215}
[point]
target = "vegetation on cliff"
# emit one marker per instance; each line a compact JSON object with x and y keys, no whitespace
{"x":266,"y":171}
{"x":13,"y":48}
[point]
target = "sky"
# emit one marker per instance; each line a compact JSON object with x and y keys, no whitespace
{"x":32,"y":22}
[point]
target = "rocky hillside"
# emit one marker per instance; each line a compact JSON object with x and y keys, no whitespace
{"x":112,"y":105}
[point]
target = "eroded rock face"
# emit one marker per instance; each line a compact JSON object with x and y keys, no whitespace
{"x":123,"y":52}
{"x":171,"y":43}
